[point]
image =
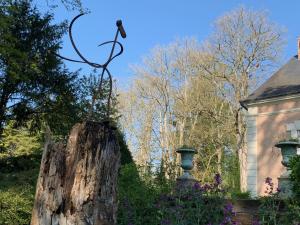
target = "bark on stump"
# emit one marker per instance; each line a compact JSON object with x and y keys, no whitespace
{"x":77,"y":180}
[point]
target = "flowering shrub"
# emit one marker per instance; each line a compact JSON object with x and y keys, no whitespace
{"x":269,"y":208}
{"x":198,"y":204}
{"x":276,"y":211}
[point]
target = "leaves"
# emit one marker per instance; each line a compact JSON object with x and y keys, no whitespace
{"x":20,"y":141}
{"x":35,"y":85}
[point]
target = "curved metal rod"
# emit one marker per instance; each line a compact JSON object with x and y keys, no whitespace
{"x":65,"y":58}
{"x":110,"y":92}
{"x":104,"y":43}
{"x":116,"y":55}
{"x":96,"y":65}
{"x":104,"y":66}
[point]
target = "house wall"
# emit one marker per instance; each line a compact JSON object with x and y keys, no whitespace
{"x":267,"y":124}
{"x":252,"y":151}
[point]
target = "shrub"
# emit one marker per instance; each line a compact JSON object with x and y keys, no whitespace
{"x":277,"y":211}
{"x":17,"y":196}
{"x":240,"y":195}
{"x":144,"y":202}
{"x":15,"y":207}
{"x":269,"y":208}
{"x":295,"y":176}
{"x":136,"y":198}
{"x":199,"y":205}
{"x":20,"y":163}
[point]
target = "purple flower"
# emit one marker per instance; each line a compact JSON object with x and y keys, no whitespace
{"x":218,"y":179}
{"x":197,"y":186}
{"x":228,"y":214}
{"x":255,"y":222}
{"x":228,"y":208}
{"x":269,"y":181}
{"x":270,"y":186}
{"x":206,"y":187}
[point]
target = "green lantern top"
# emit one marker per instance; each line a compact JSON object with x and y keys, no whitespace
{"x":186,"y":149}
{"x":291,"y":142}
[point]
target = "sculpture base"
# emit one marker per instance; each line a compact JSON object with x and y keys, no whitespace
{"x":184,"y":184}
{"x":186,"y":175}
{"x":285,"y":185}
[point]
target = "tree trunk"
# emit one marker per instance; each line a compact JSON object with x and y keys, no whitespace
{"x":77,"y":180}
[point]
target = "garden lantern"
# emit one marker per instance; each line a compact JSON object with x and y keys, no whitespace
{"x":288,"y":150}
{"x":187,"y":155}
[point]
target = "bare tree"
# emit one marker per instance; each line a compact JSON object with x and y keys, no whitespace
{"x":171,"y":104}
{"x":137,"y":121}
{"x":244,"y":45}
{"x":158,"y":83}
{"x":175,"y":81}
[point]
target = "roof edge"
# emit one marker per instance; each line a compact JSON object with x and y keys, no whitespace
{"x":253,"y":97}
{"x":246,"y":103}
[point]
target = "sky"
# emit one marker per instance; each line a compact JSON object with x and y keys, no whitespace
{"x":159,"y":22}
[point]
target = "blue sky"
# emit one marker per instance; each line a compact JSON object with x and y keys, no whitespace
{"x":159,"y":22}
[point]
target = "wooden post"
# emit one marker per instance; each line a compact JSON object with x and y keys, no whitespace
{"x":77,"y":181}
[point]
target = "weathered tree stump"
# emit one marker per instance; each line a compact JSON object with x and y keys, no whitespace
{"x":77,"y":180}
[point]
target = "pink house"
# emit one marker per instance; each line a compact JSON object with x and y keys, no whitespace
{"x":273,"y":112}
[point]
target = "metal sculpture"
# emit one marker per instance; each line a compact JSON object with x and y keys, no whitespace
{"x":120,"y":30}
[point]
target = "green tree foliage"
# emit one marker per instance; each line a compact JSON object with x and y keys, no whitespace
{"x":136,"y":197}
{"x":70,"y":5}
{"x":92,"y":102}
{"x":19,"y":141}
{"x":126,"y":157}
{"x":88,"y":88}
{"x":36,"y":89}
{"x":295,"y":176}
{"x":34,"y":84}
{"x":21,"y":150}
